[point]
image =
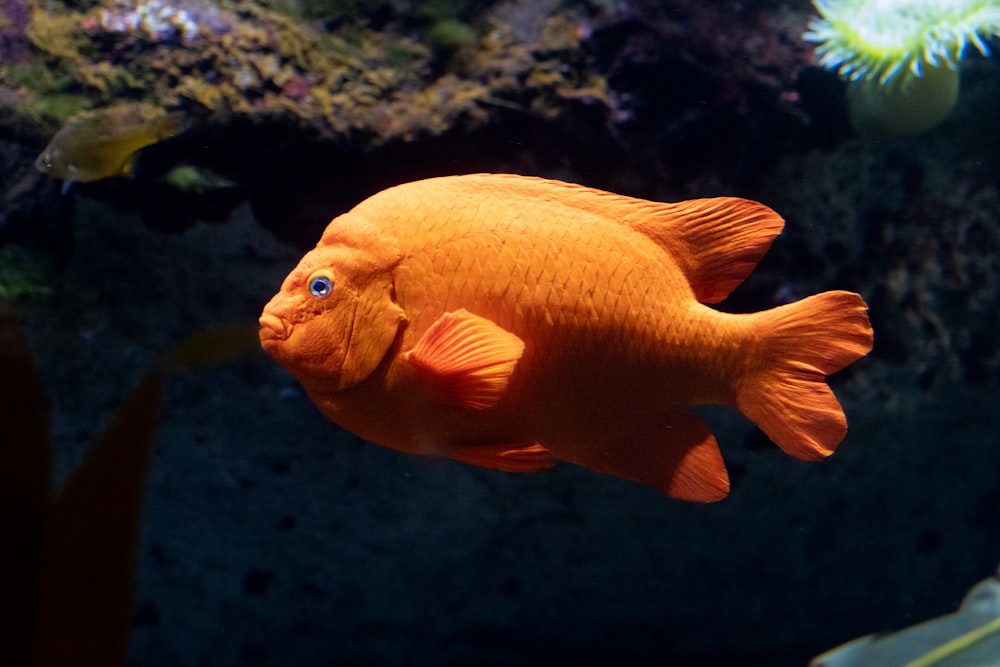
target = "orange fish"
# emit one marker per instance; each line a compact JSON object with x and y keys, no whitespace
{"x":508,"y":321}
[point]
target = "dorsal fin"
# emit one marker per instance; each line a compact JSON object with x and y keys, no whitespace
{"x":716,"y":242}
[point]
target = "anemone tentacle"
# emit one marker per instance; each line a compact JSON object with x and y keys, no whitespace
{"x":876,"y":40}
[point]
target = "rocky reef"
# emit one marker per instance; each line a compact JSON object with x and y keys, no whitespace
{"x":294,"y":98}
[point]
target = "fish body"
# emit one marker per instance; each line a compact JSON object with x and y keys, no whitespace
{"x":102,"y":143}
{"x":510,"y":322}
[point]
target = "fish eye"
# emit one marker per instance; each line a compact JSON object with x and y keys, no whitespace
{"x":320,"y":284}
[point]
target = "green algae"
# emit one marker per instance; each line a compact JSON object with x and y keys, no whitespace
{"x":59,"y":108}
{"x":449,"y":35}
{"x":24,"y":278}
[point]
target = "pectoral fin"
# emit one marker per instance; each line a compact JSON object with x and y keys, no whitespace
{"x":466,"y":360}
{"x":507,"y":457}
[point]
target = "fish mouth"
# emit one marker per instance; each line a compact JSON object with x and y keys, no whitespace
{"x":273,"y":329}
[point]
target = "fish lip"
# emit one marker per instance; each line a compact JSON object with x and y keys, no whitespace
{"x":273,"y":328}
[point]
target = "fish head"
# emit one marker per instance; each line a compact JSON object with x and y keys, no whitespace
{"x":334,"y":319}
{"x":51,"y":162}
{"x":54,"y":161}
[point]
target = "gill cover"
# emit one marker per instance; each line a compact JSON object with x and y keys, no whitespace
{"x":363,"y":269}
{"x":377,"y":319}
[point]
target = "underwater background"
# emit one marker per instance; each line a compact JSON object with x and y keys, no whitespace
{"x":268,"y":536}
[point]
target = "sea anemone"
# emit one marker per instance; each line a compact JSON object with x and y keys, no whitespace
{"x":900,"y":56}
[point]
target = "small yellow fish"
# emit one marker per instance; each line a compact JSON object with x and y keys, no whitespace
{"x":508,"y":322}
{"x":102,"y":143}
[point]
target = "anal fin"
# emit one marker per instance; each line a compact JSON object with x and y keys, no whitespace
{"x":679,"y":458}
{"x":506,"y":456}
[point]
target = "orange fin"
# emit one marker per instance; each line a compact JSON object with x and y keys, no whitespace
{"x":716,"y":242}
{"x":467,"y":359}
{"x":507,"y":457}
{"x":805,"y":341}
{"x":680,"y":459}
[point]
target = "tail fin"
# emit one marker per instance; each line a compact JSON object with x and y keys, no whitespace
{"x":800,"y":344}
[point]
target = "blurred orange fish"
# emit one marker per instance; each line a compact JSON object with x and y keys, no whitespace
{"x":508,"y":321}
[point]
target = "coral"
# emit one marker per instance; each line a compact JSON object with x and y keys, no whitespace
{"x":242,"y":58}
{"x":161,"y":20}
{"x":55,"y":34}
{"x":703,"y":95}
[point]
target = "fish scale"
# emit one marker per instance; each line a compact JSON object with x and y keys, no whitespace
{"x":509,"y":321}
{"x":537,"y":290}
{"x":464,"y":280}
